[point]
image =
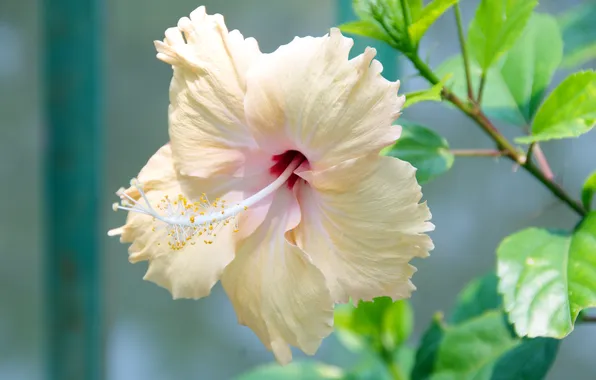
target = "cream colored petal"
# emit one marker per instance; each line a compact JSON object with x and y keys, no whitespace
{"x":308,"y":96}
{"x":206,"y":115}
{"x":274,"y":287}
{"x":361,"y":224}
{"x":187,"y":273}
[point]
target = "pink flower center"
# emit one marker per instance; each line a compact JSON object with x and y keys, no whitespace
{"x":282,"y":161}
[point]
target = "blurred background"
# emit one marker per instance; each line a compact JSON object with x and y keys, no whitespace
{"x":140,"y":330}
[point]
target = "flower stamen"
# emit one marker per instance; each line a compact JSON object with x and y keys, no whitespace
{"x":185,"y":220}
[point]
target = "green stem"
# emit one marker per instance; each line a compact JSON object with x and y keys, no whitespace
{"x":406,"y":11}
{"x":542,"y":161}
{"x":530,"y":151}
{"x":475,"y":113}
{"x":464,"y":50}
{"x":392,"y":367}
{"x":477,"y":152}
{"x":481,"y":87}
{"x":554,"y":188}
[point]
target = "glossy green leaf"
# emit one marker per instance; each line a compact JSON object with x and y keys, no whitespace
{"x":295,"y":371}
{"x":531,"y":360}
{"x":470,"y":350}
{"x":569,"y":111}
{"x":426,"y":355}
{"x":531,"y":63}
{"x":495,"y":27}
{"x":432,"y":94}
{"x":424,"y":149}
{"x":547,"y":278}
{"x":422,"y":19}
{"x":478,"y":297}
{"x":579,"y":34}
{"x":381,"y":324}
{"x":588,"y":191}
{"x":497,"y":102}
{"x":365,"y":28}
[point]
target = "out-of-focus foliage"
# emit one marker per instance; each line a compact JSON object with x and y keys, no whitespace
{"x":378,"y":325}
{"x":426,"y":355}
{"x":579,"y":34}
{"x":588,"y":191}
{"x":479,"y":296}
{"x":478,"y":329}
{"x":295,"y":371}
{"x":470,"y":349}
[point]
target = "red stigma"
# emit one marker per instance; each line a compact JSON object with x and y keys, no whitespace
{"x":282,"y":161}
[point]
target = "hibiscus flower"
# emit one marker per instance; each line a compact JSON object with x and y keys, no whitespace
{"x":272,"y":182}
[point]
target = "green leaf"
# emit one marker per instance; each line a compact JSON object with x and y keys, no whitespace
{"x":497,"y":102}
{"x":514,"y":89}
{"x":372,"y":369}
{"x":294,"y":371}
{"x":547,"y":278}
{"x":422,"y":19}
{"x":365,"y":28}
{"x":388,"y":16}
{"x":579,"y":34}
{"x":343,"y":320}
{"x":432,"y":94}
{"x":397,"y":325}
{"x":569,"y":111}
{"x":405,"y":358}
{"x":415,"y":7}
{"x":384,"y":20}
{"x":531,"y":63}
{"x":478,"y":297}
{"x":588,"y":191}
{"x":496,"y":26}
{"x":426,"y":354}
{"x":424,"y":149}
{"x":531,"y":360}
{"x":469,"y":350}
{"x":381,"y":324}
